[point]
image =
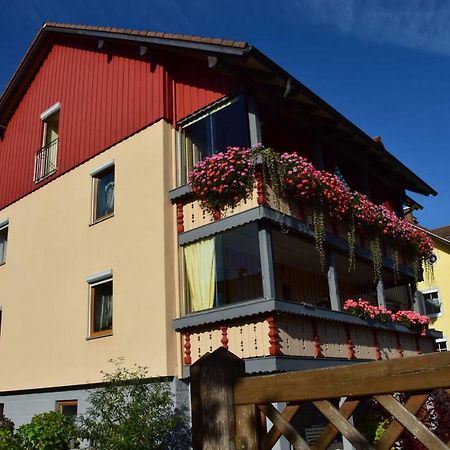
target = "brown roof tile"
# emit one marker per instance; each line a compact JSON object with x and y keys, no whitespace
{"x":443,"y":231}
{"x":178,"y":37}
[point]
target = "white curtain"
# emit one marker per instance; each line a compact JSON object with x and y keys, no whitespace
{"x":200,"y":259}
{"x":109,"y":196}
{"x":2,"y":249}
{"x":105,"y":321}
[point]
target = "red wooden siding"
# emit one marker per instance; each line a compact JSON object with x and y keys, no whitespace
{"x":198,"y":86}
{"x":105,"y":96}
{"x":103,"y":100}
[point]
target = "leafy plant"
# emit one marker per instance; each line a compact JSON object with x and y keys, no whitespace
{"x":8,"y":440}
{"x":133,"y":413}
{"x":47,"y":431}
{"x":363,"y":309}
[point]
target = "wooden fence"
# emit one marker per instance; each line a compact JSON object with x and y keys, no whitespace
{"x":229,"y":409}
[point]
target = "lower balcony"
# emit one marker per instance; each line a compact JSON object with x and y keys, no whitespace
{"x":274,"y":335}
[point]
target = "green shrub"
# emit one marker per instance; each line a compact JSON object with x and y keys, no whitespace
{"x":7,"y":440}
{"x":133,"y":413}
{"x":47,"y":431}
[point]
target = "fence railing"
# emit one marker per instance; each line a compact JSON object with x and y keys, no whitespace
{"x":231,"y":411}
{"x":45,"y":161}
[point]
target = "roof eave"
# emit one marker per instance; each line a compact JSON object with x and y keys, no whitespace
{"x":422,"y":187}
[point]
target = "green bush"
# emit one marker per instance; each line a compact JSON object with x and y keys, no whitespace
{"x":47,"y":431}
{"x":133,"y":413}
{"x":7,"y":440}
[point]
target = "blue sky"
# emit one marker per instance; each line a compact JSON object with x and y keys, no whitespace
{"x":383,"y":64}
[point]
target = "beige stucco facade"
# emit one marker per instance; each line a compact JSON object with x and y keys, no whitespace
{"x":440,"y":282}
{"x":53,"y":248}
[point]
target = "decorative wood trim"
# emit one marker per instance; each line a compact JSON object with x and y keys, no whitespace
{"x":399,"y":346}
{"x":350,"y":349}
{"x":376,"y":345}
{"x":342,"y":424}
{"x":286,"y":428}
{"x":410,"y":422}
{"x":274,"y":345}
{"x":260,"y":188}
{"x":217,"y":214}
{"x":395,"y":429}
{"x":180,"y":217}
{"x":317,"y":349}
{"x":187,"y":348}
{"x":224,"y":340}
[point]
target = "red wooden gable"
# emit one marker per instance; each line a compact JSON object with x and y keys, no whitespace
{"x":105,"y":95}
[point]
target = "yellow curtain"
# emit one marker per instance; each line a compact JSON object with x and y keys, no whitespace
{"x":200,"y":259}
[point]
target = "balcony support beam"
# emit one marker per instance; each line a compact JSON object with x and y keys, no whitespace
{"x":266,"y":255}
{"x":381,"y":298}
{"x":333,"y":286}
{"x":253,"y":121}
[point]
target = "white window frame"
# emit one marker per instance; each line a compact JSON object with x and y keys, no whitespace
{"x":41,"y":171}
{"x":429,"y":291}
{"x":4,"y":225}
{"x":95,"y":174}
{"x":181,"y":156}
{"x":93,"y":280}
{"x":443,"y":339}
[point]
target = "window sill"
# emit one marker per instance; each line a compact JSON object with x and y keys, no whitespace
{"x":91,"y":338}
{"x":2,"y":263}
{"x":101,"y":219}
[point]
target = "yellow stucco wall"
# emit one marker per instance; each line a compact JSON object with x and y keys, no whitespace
{"x":52,"y":249}
{"x":442,"y":283}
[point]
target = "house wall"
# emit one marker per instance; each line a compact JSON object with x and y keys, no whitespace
{"x":52,"y":248}
{"x":20,"y":408}
{"x":106,"y":95}
{"x":442,"y":283}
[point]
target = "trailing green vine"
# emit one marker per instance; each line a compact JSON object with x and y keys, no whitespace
{"x":396,"y":262}
{"x":318,"y":220}
{"x":375,"y":251}
{"x":223,"y":180}
{"x":273,"y":172}
{"x":351,"y":245}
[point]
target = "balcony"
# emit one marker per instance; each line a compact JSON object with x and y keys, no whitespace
{"x":260,"y":282}
{"x":274,"y":335}
{"x":45,"y":161}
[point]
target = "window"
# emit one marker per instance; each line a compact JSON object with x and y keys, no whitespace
{"x":103,"y":191}
{"x":3,"y":240}
{"x":45,"y":160}
{"x":212,"y":132}
{"x":224,"y":269}
{"x":101,"y":304}
{"x":441,"y":345}
{"x":67,"y":407}
{"x":432,"y":303}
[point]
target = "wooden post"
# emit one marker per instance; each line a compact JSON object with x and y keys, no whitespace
{"x":381,"y":299}
{"x":253,"y":122}
{"x":333,"y":286}
{"x":266,"y":255}
{"x":212,"y":400}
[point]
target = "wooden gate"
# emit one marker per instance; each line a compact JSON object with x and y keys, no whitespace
{"x":229,"y":409}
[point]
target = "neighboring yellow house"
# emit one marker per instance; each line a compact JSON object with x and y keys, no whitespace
{"x":436,"y":293}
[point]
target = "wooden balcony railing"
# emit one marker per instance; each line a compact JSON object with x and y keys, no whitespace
{"x":191,"y":216}
{"x":297,"y":330}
